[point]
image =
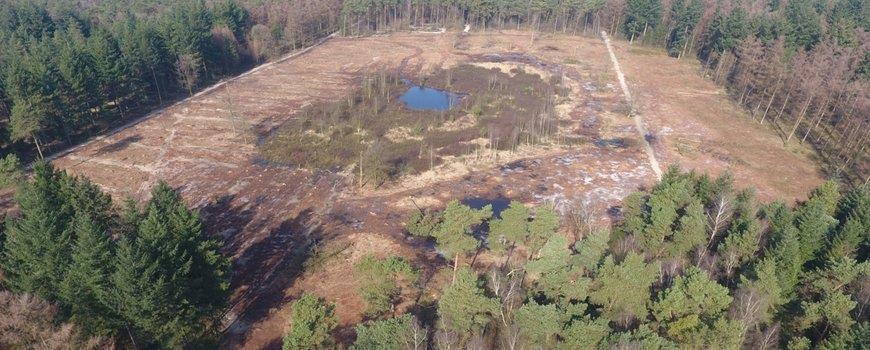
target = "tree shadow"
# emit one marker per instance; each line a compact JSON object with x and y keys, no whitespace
{"x":276,"y":262}
{"x":119,"y":145}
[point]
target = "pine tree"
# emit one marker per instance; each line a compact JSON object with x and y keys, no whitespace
{"x":814,"y":220}
{"x":691,"y":230}
{"x":591,"y":250}
{"x":554,"y":277}
{"x":622,"y":290}
{"x":539,"y":324}
{"x":454,"y":233}
{"x":511,"y":228}
{"x":463,"y":306}
{"x":311,"y":321}
{"x":544,"y":225}
{"x":691,"y":306}
{"x":584,"y":333}
{"x":399,"y":333}
{"x":380,"y":281}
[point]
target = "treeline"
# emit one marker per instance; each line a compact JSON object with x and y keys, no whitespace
{"x":801,"y":65}
{"x":693,"y":264}
{"x":71,"y":70}
{"x":133,"y":276}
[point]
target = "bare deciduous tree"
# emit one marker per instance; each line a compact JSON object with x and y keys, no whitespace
{"x":27,"y":322}
{"x":187,"y":67}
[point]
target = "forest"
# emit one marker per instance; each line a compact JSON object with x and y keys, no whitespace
{"x":694,"y":263}
{"x":800,"y":66}
{"x":72,"y":70}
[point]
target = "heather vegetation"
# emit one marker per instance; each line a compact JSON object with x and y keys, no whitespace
{"x":373,"y":131}
{"x":800,"y":66}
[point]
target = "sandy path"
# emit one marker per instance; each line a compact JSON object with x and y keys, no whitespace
{"x":638,"y":121}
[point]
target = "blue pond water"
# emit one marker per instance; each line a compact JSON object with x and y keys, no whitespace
{"x":421,"y":98}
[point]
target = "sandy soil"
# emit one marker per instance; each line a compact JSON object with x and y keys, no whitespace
{"x":694,"y":124}
{"x":205,"y":146}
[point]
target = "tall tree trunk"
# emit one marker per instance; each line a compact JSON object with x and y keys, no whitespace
{"x":821,"y":116}
{"x":782,"y":109}
{"x":38,"y":147}
{"x":800,"y":118}
{"x":769,"y":103}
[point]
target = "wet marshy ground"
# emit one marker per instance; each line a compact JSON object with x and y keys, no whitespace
{"x":394,"y":126}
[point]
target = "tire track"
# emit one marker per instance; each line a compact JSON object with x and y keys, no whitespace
{"x":638,"y":121}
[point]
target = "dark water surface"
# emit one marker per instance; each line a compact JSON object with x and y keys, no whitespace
{"x":421,"y":98}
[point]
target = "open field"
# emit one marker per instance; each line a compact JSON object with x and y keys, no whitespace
{"x":206,"y":146}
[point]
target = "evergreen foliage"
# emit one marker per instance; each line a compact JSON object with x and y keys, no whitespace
{"x":311,"y":321}
{"x":153,"y":274}
{"x":380,"y":281}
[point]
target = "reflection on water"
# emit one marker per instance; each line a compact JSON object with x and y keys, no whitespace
{"x":423,"y":98}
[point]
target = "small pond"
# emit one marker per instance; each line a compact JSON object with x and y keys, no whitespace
{"x":421,"y":98}
{"x":499,"y":204}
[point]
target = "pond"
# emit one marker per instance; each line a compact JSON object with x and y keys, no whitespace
{"x":421,"y":98}
{"x":499,"y":204}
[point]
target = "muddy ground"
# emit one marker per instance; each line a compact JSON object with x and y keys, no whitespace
{"x":205,"y":146}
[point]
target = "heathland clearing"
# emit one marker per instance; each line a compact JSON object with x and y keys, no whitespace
{"x":266,"y":211}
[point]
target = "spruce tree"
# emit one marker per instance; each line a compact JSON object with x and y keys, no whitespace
{"x":85,"y":290}
{"x":37,"y":250}
{"x":170,"y":279}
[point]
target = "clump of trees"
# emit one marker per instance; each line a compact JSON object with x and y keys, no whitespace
{"x":141,"y":275}
{"x":693,"y":263}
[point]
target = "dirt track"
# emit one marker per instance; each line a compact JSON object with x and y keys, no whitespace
{"x":206,"y":147}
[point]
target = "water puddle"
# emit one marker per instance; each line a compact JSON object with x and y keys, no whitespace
{"x":421,"y":98}
{"x":499,"y":204}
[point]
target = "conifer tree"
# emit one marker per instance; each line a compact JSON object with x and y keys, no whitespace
{"x":691,"y":231}
{"x":463,"y":306}
{"x":544,"y":225}
{"x":691,"y":306}
{"x":453,"y":234}
{"x":591,"y":250}
{"x":86,"y":286}
{"x":554,"y":277}
{"x":622,"y":290}
{"x":581,"y":333}
{"x":311,"y":321}
{"x":539,"y":324}
{"x":511,"y":228}
{"x":381,"y":281}
{"x":399,"y":333}
{"x":37,"y":250}
{"x":170,"y":279}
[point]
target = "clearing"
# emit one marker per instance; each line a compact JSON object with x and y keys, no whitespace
{"x":216,"y":148}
